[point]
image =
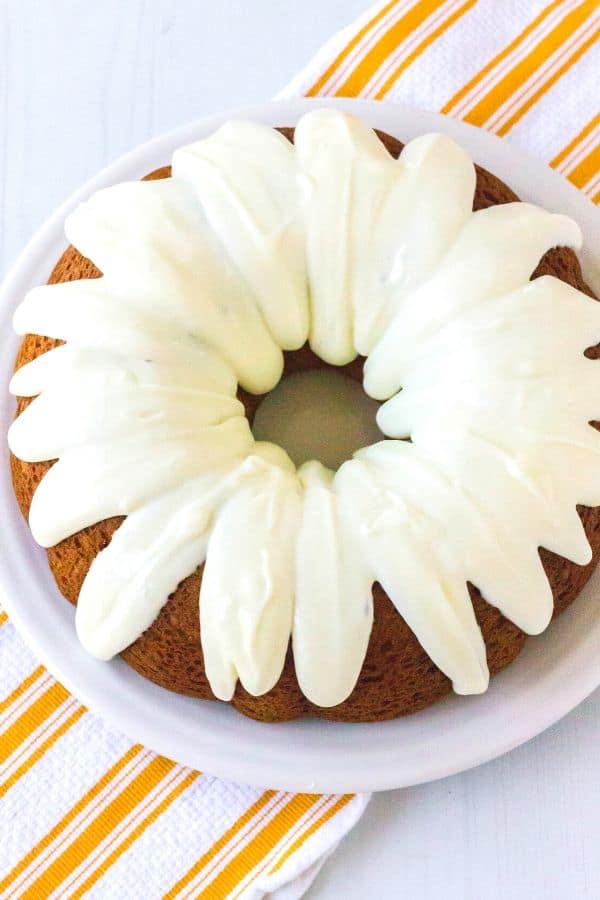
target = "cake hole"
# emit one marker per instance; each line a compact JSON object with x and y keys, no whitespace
{"x":317,"y":414}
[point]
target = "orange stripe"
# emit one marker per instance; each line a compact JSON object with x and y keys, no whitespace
{"x":47,"y":725}
{"x":225,"y":839}
{"x":586,"y":168}
{"x":493,"y":63}
{"x":41,"y":749}
{"x":107,"y":820}
{"x":303,"y":823}
{"x":578,"y":139}
{"x":251,"y":853}
{"x":3,"y":618}
{"x":387,"y":43}
{"x":318,"y":823}
{"x":596,"y":197}
{"x":526,"y":66}
{"x":314,"y":90}
{"x":429,"y":39}
{"x":135,"y":834}
{"x":61,"y":826}
{"x":20,"y":690}
{"x":31,"y":718}
{"x":111,"y":839}
{"x":592,"y":185}
{"x":545,"y":86}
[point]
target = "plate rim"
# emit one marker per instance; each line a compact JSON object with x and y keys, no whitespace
{"x":316,"y":764}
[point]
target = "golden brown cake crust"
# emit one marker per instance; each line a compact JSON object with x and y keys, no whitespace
{"x":397,"y":676}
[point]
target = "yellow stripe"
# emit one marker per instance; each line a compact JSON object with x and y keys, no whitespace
{"x":495,"y":62}
{"x":257,"y":848}
{"x":31,"y":718}
{"x":20,"y":690}
{"x":87,"y":800}
{"x":318,"y":823}
{"x":526,"y":65}
{"x":107,"y":819}
{"x":142,"y":825}
{"x":578,"y":139}
{"x":222,"y":842}
{"x":412,"y":19}
{"x":41,"y":749}
{"x":429,"y":39}
{"x":586,"y":168}
{"x":302,"y":824}
{"x":570,"y":59}
{"x":314,"y":90}
{"x":592,"y":186}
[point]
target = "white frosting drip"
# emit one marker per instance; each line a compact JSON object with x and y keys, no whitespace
{"x":247,"y":597}
{"x":251,"y":247}
{"x":333,"y":614}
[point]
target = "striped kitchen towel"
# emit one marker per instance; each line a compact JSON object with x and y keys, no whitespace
{"x":82,"y":811}
{"x":525,"y":69}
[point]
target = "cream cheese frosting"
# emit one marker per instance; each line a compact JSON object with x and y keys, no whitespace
{"x":252,"y":247}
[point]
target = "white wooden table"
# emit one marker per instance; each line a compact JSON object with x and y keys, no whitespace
{"x":82,"y":82}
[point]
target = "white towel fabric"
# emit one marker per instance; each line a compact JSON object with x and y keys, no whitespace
{"x":83,"y":810}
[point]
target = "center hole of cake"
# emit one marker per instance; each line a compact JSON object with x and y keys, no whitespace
{"x":318,"y":414}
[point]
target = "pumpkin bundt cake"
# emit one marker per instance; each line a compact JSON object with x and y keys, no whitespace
{"x":210,"y":561}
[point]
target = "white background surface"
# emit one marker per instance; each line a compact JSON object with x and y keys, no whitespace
{"x":82,"y":82}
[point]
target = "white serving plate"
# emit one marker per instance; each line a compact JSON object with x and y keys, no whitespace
{"x":553,"y":674}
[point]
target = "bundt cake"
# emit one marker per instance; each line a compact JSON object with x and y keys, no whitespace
{"x":425,"y":559}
